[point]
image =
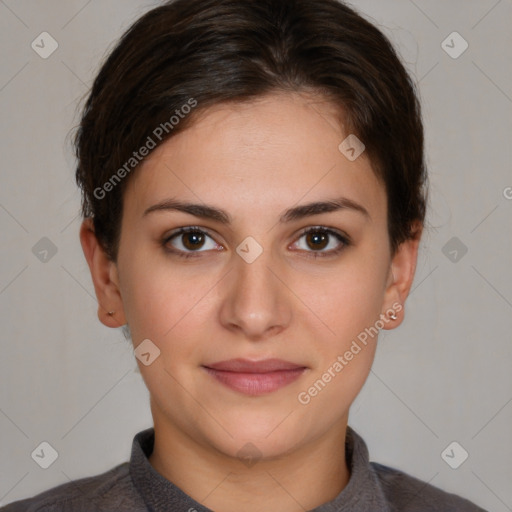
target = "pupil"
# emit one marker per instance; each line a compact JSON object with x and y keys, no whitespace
{"x":193,"y":240}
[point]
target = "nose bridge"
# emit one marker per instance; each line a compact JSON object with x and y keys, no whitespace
{"x":256,"y":300}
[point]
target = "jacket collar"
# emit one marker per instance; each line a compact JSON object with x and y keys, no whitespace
{"x":363,"y":493}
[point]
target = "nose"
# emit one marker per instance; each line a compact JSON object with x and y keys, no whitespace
{"x":256,"y":301}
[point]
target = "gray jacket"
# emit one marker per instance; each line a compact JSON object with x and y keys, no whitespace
{"x":136,"y":486}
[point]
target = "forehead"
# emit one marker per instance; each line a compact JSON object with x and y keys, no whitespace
{"x":259,"y":155}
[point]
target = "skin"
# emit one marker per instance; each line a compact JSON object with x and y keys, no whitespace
{"x":254,"y":160}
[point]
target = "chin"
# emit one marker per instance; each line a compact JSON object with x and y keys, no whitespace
{"x":268,"y":435}
{"x":259,"y":446}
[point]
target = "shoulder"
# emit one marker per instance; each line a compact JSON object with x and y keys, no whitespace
{"x":408,"y":494}
{"x":112,"y":490}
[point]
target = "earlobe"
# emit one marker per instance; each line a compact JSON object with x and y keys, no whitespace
{"x":104,"y":276}
{"x":400,"y":279}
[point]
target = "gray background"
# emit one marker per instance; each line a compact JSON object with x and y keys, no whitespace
{"x":442,"y":376}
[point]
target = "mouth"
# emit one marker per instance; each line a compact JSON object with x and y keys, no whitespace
{"x":255,"y":377}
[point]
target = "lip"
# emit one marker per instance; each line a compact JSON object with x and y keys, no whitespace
{"x":255,"y":377}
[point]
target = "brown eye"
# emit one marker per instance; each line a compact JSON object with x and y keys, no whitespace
{"x":193,"y":240}
{"x":317,"y":240}
{"x":189,"y":240}
{"x":322,"y":242}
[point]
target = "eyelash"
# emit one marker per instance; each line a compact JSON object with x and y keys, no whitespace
{"x":345,"y":242}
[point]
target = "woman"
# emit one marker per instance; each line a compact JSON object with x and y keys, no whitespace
{"x":254,"y":193}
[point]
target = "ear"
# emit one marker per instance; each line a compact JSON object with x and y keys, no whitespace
{"x":104,"y":276}
{"x":400,"y":278}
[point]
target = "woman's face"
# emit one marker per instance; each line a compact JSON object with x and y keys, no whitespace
{"x":249,"y":283}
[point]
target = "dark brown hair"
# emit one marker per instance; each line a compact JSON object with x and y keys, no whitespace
{"x":199,"y":53}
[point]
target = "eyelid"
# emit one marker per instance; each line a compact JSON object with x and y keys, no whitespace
{"x":326,"y":229}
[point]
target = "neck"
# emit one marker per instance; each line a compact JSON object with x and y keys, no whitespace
{"x":302,"y":479}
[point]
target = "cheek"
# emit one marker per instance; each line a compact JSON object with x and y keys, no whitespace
{"x":161,"y":301}
{"x":346,"y":301}
{"x":344,"y":344}
{"x":344,"y":308}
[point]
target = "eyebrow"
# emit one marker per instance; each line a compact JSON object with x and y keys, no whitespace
{"x":292,"y":214}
